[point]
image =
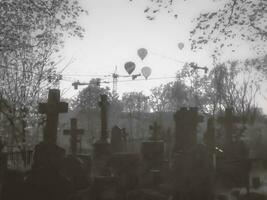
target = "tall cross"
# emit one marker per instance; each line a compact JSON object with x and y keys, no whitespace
{"x":103,"y":104}
{"x":52,"y":109}
{"x":74,"y":133}
{"x":155,"y":131}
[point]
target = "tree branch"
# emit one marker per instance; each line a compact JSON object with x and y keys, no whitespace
{"x":232,"y":11}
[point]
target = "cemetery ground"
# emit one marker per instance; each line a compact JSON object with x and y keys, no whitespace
{"x":165,"y":165}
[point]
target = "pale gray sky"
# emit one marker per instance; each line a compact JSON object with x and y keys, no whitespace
{"x":116,"y":29}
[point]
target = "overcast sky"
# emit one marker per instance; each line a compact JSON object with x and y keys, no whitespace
{"x":115,"y":30}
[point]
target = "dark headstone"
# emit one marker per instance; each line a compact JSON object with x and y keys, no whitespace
{"x":186,"y":121}
{"x":192,"y":166}
{"x":228,"y":121}
{"x":45,"y":180}
{"x":193,"y":174}
{"x":48,"y":156}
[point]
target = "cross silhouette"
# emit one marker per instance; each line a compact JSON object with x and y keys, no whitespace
{"x":74,"y":133}
{"x":103,"y":104}
{"x":52,"y":109}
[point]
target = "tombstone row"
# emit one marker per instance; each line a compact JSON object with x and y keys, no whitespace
{"x":121,"y":175}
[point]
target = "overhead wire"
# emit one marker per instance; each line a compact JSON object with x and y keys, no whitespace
{"x":67,"y":77}
{"x":102,"y":75}
{"x":150,"y":79}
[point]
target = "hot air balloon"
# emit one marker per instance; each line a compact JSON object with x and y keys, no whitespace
{"x":181,"y":45}
{"x":129,"y":67}
{"x":142,"y":53}
{"x":146,"y":71}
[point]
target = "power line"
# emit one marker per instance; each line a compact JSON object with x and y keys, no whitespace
{"x":150,"y":79}
{"x":67,"y":65}
{"x":82,"y":75}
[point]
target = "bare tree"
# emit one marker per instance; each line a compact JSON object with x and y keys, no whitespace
{"x":32,"y":33}
{"x":235,"y":19}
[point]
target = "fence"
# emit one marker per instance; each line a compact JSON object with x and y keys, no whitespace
{"x":19,"y":160}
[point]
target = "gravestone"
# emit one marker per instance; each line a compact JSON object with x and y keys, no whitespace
{"x":75,"y":135}
{"x":235,"y":166}
{"x":102,"y":147}
{"x":186,"y":121}
{"x":153,"y":149}
{"x":107,"y":175}
{"x":192,"y":166}
{"x":47,"y":152}
{"x":76,"y":167}
{"x":118,"y":139}
{"x":124,"y":165}
{"x":153,"y":161}
{"x":45,"y":180}
{"x":52,"y":109}
{"x":229,"y":121}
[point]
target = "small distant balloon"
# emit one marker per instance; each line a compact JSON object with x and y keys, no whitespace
{"x":146,"y":71}
{"x":181,"y":45}
{"x":129,"y":67}
{"x":142,"y":53}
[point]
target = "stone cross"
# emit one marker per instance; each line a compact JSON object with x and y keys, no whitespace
{"x":52,"y":109}
{"x":155,"y":131}
{"x":103,"y":104}
{"x":74,"y":133}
